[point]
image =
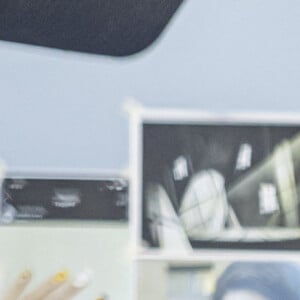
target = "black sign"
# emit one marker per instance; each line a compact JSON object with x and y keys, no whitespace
{"x":80,"y":199}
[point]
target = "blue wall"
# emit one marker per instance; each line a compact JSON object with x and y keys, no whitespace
{"x":62,"y":109}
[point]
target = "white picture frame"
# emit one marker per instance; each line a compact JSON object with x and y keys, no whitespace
{"x":140,"y":116}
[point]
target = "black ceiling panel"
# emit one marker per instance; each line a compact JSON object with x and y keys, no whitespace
{"x":109,"y":27}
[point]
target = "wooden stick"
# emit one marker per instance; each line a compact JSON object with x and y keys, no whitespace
{"x":47,"y":287}
{"x":14,"y":292}
{"x":71,"y":288}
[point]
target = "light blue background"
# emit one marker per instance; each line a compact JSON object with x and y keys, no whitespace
{"x":62,"y":109}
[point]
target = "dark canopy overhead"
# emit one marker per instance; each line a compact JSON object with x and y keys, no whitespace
{"x":110,"y":27}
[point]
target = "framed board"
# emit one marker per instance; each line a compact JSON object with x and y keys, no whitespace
{"x":206,"y":181}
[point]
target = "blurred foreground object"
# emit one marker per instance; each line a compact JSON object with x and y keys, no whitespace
{"x":267,"y":281}
{"x":115,"y":27}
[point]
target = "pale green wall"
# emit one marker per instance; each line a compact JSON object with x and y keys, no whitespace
{"x":46,"y":249}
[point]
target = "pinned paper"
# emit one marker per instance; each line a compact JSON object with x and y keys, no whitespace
{"x":244,"y":157}
{"x":180,"y":168}
{"x":268,"y":201}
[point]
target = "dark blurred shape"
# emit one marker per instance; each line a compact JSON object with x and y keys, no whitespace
{"x":273,"y":280}
{"x":109,"y":27}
